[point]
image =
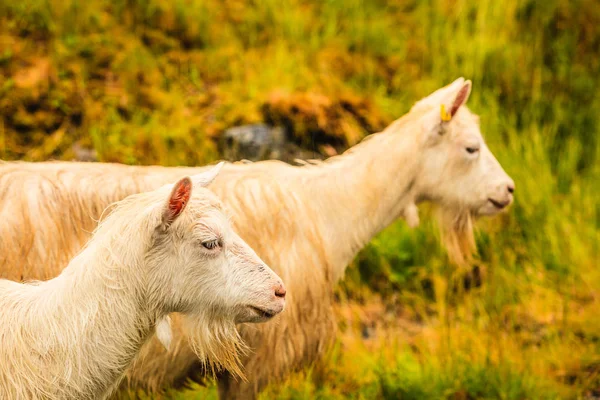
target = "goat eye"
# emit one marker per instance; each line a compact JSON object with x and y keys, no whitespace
{"x":211,"y":244}
{"x":472,"y":150}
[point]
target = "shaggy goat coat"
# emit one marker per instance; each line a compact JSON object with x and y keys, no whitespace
{"x":306,"y":222}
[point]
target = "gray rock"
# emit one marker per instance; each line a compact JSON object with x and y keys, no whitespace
{"x":252,"y":142}
{"x":84,"y":154}
{"x":262,"y":142}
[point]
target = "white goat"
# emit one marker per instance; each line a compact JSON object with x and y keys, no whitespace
{"x":158,"y":252}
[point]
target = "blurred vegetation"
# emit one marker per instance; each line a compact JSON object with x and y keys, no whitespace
{"x":157,"y":82}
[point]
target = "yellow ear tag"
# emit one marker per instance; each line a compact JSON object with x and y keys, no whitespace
{"x":444,"y":114}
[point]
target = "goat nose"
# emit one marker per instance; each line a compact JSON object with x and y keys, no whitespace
{"x":511,"y":188}
{"x":280,"y":291}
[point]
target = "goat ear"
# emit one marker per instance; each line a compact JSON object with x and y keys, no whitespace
{"x":178,"y":199}
{"x":204,"y":179}
{"x":460,"y":98}
{"x":440,"y":96}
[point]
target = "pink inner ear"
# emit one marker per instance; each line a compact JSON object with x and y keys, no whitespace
{"x":179,"y":197}
{"x":460,"y":99}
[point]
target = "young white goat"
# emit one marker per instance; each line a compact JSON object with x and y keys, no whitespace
{"x":158,"y":252}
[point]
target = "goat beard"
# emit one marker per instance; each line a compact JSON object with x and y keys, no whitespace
{"x":457,"y":235}
{"x":216,"y":342}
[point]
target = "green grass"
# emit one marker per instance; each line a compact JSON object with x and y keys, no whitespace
{"x":156,"y":82}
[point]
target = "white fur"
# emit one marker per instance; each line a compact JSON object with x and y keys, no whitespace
{"x":164,"y":333}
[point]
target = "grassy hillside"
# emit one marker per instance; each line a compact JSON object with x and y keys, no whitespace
{"x":157,"y":82}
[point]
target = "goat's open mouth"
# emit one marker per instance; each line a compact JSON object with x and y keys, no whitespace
{"x":262,"y":313}
{"x":498,"y":204}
